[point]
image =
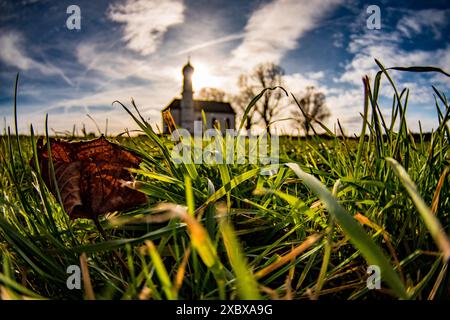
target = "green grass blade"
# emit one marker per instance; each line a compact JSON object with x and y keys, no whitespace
{"x":161,"y":272}
{"x":432,"y":223}
{"x":246,"y":282}
{"x":371,"y":252}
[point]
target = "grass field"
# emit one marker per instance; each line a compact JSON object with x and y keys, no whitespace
{"x":310,"y":231}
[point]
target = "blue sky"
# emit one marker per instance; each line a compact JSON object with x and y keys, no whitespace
{"x":135,"y":49}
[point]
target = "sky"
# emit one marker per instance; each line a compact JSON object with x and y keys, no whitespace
{"x":128,"y":49}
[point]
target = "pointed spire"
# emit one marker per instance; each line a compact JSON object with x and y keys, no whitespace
{"x":188,"y":67}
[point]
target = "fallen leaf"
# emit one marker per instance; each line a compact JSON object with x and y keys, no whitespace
{"x":90,"y":176}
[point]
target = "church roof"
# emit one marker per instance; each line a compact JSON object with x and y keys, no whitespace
{"x":206,"y":105}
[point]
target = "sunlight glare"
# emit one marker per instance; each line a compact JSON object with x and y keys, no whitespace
{"x":203,"y":77}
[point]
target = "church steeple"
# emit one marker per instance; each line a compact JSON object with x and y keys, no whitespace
{"x":187,"y":98}
{"x":188,"y":70}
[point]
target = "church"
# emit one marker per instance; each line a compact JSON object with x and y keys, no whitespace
{"x":186,"y":110}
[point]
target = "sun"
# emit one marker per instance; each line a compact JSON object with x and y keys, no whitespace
{"x":204,"y":78}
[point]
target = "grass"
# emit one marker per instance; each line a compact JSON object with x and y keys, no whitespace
{"x":335,"y":206}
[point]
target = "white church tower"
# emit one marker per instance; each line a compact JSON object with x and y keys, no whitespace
{"x":187,"y":113}
{"x":186,"y":110}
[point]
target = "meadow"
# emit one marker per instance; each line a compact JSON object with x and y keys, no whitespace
{"x":336,"y":206}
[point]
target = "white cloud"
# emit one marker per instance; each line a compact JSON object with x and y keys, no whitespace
{"x":274,"y":28}
{"x":120,"y":65}
{"x":13,"y":53}
{"x":10,"y":52}
{"x":387,"y":48}
{"x":318,"y":75}
{"x":338,"y":40}
{"x":416,"y":22}
{"x":121,"y":76}
{"x":297,"y":83}
{"x":346,"y":106}
{"x":146,"y":21}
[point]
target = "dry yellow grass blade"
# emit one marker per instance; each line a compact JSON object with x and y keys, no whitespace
{"x":386,"y":236}
{"x":289,"y":256}
{"x":145,"y":294}
{"x":435,"y":201}
{"x":86,"y":278}
{"x":181,"y":270}
{"x":169,"y":121}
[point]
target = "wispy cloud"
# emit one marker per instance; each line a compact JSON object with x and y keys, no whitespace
{"x":14,"y":54}
{"x":146,"y":21}
{"x":11,"y":52}
{"x":416,"y":22}
{"x":386,"y":47}
{"x":274,"y":28}
{"x":206,"y":44}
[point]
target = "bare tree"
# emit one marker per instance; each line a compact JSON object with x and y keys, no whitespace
{"x":312,"y":107}
{"x":265,"y":75}
{"x":241,"y":101}
{"x":212,"y":94}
